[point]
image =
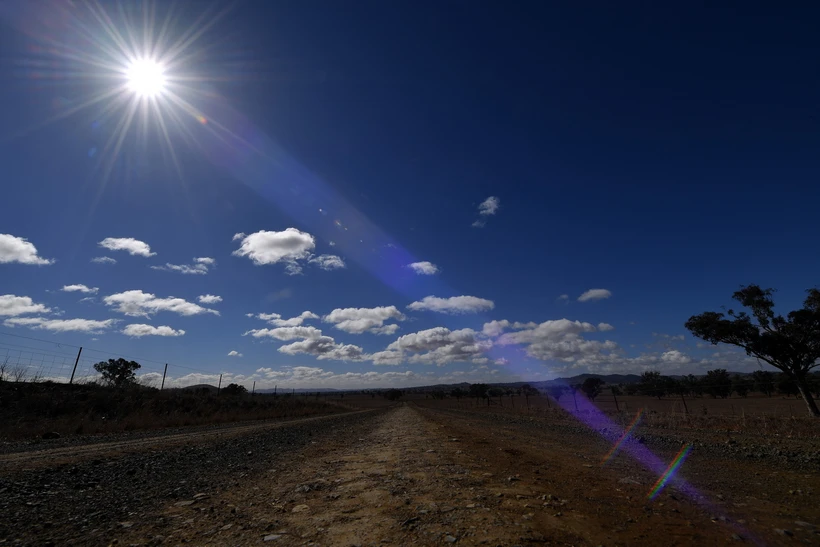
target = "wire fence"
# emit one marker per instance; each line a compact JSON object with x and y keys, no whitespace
{"x":31,"y":359}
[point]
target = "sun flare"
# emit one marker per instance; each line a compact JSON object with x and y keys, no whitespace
{"x":146,"y":78}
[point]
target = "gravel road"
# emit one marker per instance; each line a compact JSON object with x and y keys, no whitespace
{"x":402,"y":476}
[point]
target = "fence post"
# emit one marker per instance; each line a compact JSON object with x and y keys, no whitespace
{"x":617,"y":408}
{"x":75,"y":366}
{"x":163,"y":377}
{"x":220,"y":385}
{"x":254,"y":388}
{"x":686,"y":408}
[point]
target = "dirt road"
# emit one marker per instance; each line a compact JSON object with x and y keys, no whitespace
{"x":415,"y":476}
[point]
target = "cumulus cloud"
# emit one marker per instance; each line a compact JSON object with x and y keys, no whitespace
{"x":138,"y":303}
{"x":424,"y":268}
{"x":200,"y":266}
{"x":209,"y":299}
{"x":20,"y":250}
{"x":139,"y":330}
{"x":286,"y":333}
{"x":438,"y":346}
{"x":594,"y":294}
{"x":327,"y":262}
{"x":324,"y":348}
{"x":103,"y":260}
{"x":453,"y":305}
{"x":12,"y":305}
{"x":276,"y":320}
{"x":361,"y":320}
{"x":130,"y":245}
{"x":288,"y":247}
{"x":559,"y":340}
{"x":61,"y":325}
{"x":234,"y":353}
{"x":603,"y":327}
{"x":80,"y":288}
{"x":487,"y":208}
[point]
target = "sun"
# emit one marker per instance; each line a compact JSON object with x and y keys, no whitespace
{"x":146,"y":78}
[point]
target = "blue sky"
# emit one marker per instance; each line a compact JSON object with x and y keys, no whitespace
{"x":316,"y":150}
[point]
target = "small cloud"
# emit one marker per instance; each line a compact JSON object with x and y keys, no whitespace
{"x":594,"y":294}
{"x":205,"y":260}
{"x":20,"y":250}
{"x":563,"y":298}
{"x":424,"y":268}
{"x":453,"y":305}
{"x":200,"y":266}
{"x":209,"y":299}
{"x":103,"y":260}
{"x":289,"y":247}
{"x":603,"y":327}
{"x":132,"y":246}
{"x":279,"y":295}
{"x":139,"y":330}
{"x":489,"y":206}
{"x":80,"y":288}
{"x":60,"y":325}
{"x":328,"y":262}
{"x":234,"y":353}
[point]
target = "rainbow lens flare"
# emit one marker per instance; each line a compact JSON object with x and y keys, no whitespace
{"x":624,"y":437}
{"x":670,"y":472}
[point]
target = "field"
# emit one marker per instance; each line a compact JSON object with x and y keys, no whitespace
{"x":422,"y":471}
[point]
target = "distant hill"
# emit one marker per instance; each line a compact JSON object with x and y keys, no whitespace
{"x":289,"y":390}
{"x":199,"y":387}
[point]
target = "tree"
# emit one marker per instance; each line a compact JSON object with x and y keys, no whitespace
{"x":592,"y":387}
{"x":118,"y":372}
{"x":555,"y":391}
{"x":479,"y":391}
{"x":393,"y":394}
{"x":763,"y":381}
{"x":528,"y":390}
{"x":791,"y":344}
{"x":651,"y":384}
{"x":234,"y":389}
{"x":741,"y":385}
{"x":692,"y":385}
{"x":717,"y":383}
{"x":458,"y":393}
{"x":786,"y":385}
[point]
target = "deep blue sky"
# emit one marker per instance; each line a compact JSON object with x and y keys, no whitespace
{"x":664,"y":154}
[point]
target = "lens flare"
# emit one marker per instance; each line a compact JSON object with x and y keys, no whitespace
{"x":670,"y":472}
{"x":624,"y":437}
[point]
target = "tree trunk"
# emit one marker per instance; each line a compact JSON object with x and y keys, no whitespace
{"x":803,"y":387}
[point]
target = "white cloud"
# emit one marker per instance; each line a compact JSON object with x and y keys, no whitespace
{"x":12,"y":305}
{"x":139,"y":330}
{"x":328,"y":262}
{"x":424,"y":268}
{"x":195,"y":269}
{"x":594,"y":294}
{"x":234,"y":353}
{"x":286,"y":333}
{"x":138,"y":303}
{"x":560,"y":340}
{"x":209,"y":299}
{"x":129,"y":244}
{"x":103,"y":260}
{"x":324,"y":348}
{"x":360,"y":320}
{"x":495,"y":328}
{"x":489,"y":206}
{"x":675,"y":357}
{"x":61,"y":325}
{"x":603,"y":327}
{"x":437,"y":346}
{"x":205,"y":260}
{"x":288,"y":247}
{"x":486,"y":208}
{"x":563,"y":297}
{"x":452,"y":305}
{"x":80,"y":288}
{"x":20,"y":250}
{"x":276,"y":320}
